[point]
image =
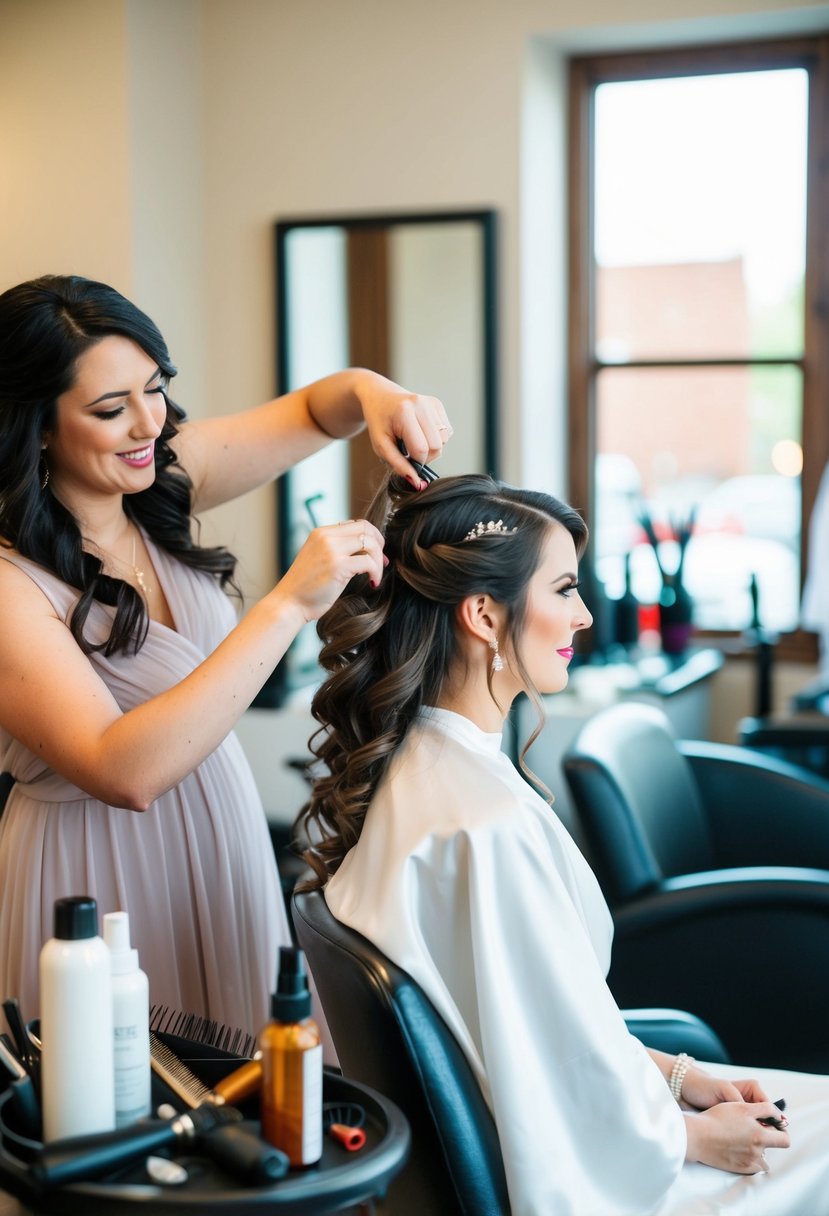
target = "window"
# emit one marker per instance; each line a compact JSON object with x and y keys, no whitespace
{"x":699,"y":331}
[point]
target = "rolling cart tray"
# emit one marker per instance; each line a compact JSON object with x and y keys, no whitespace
{"x":342,"y":1178}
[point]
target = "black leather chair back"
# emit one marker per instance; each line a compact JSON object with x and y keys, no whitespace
{"x":799,"y":740}
{"x":638,"y":804}
{"x":389,"y":1035}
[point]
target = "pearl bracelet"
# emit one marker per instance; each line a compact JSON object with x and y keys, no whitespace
{"x":681,"y":1065}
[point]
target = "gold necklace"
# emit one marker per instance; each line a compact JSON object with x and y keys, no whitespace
{"x":139,"y":574}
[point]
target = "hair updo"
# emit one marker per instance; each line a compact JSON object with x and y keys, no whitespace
{"x":388,"y":651}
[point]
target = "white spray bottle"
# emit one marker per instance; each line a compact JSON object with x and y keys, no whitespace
{"x":131,"y":1023}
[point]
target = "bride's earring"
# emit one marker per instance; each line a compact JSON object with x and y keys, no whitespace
{"x":497,"y":661}
{"x":44,"y":479}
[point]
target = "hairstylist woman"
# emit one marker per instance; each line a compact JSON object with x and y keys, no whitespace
{"x":123,"y":667}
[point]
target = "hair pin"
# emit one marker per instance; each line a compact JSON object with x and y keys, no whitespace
{"x":422,"y":470}
{"x":491,"y":528}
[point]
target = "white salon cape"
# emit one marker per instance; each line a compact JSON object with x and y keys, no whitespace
{"x":465,"y":878}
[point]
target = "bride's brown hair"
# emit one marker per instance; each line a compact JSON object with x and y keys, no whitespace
{"x":388,"y":651}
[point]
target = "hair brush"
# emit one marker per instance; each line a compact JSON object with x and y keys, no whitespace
{"x":203,"y":1030}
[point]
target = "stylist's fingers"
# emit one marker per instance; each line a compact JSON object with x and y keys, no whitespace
{"x":358,"y":537}
{"x":330,"y":557}
{"x":426,"y":429}
{"x":422,"y":424}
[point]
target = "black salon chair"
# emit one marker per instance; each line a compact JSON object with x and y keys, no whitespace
{"x":388,"y":1035}
{"x":801,"y":740}
{"x":715,"y":863}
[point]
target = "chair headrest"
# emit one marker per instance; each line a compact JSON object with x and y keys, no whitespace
{"x":636,"y":800}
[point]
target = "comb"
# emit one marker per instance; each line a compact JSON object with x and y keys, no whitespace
{"x":235,"y":1087}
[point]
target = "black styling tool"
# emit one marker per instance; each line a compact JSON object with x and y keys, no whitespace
{"x":778,"y":1123}
{"x":22,"y":1043}
{"x":29,"y":1055}
{"x":238,"y":1150}
{"x":24,"y":1102}
{"x":423,"y":471}
{"x":82,"y":1157}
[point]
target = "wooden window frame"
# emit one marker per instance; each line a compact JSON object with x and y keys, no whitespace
{"x":586,"y":73}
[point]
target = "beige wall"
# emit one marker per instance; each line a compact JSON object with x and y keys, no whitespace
{"x":153,"y":143}
{"x":168,"y":202}
{"x":65,"y":148}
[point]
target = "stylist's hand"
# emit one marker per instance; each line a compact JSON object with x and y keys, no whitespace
{"x":728,"y":1136}
{"x":393,"y":413}
{"x":330,"y":557}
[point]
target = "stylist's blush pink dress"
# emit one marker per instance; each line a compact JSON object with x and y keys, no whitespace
{"x":196,"y":871}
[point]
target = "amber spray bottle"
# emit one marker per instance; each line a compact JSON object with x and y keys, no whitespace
{"x":291,"y":1094}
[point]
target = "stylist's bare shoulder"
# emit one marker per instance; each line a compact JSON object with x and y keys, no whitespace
{"x":23,"y":605}
{"x":48,"y":689}
{"x":16,"y":583}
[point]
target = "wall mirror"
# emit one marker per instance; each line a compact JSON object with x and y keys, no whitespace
{"x":411,"y":296}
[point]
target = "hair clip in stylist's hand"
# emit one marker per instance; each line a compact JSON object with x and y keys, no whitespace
{"x":423,"y":471}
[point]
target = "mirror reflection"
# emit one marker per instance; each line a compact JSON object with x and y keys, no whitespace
{"x":410,"y":296}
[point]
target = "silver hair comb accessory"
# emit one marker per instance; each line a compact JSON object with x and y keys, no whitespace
{"x":491,"y":528}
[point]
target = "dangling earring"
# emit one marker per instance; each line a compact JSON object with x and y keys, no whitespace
{"x":497,"y":661}
{"x":44,"y":481}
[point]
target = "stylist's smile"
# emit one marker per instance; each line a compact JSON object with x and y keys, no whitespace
{"x":139,"y":456}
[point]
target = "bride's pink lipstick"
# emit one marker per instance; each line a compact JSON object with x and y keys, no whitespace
{"x":566,"y":652}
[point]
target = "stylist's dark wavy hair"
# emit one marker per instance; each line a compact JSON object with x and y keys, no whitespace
{"x":388,"y":651}
{"x":45,"y":326}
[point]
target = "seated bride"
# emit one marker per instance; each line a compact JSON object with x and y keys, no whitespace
{"x":429,"y":842}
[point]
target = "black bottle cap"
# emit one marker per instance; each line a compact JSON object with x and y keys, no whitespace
{"x":292,"y":1001}
{"x":76,"y":917}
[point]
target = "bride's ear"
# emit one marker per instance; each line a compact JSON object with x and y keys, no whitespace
{"x":479,"y":616}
